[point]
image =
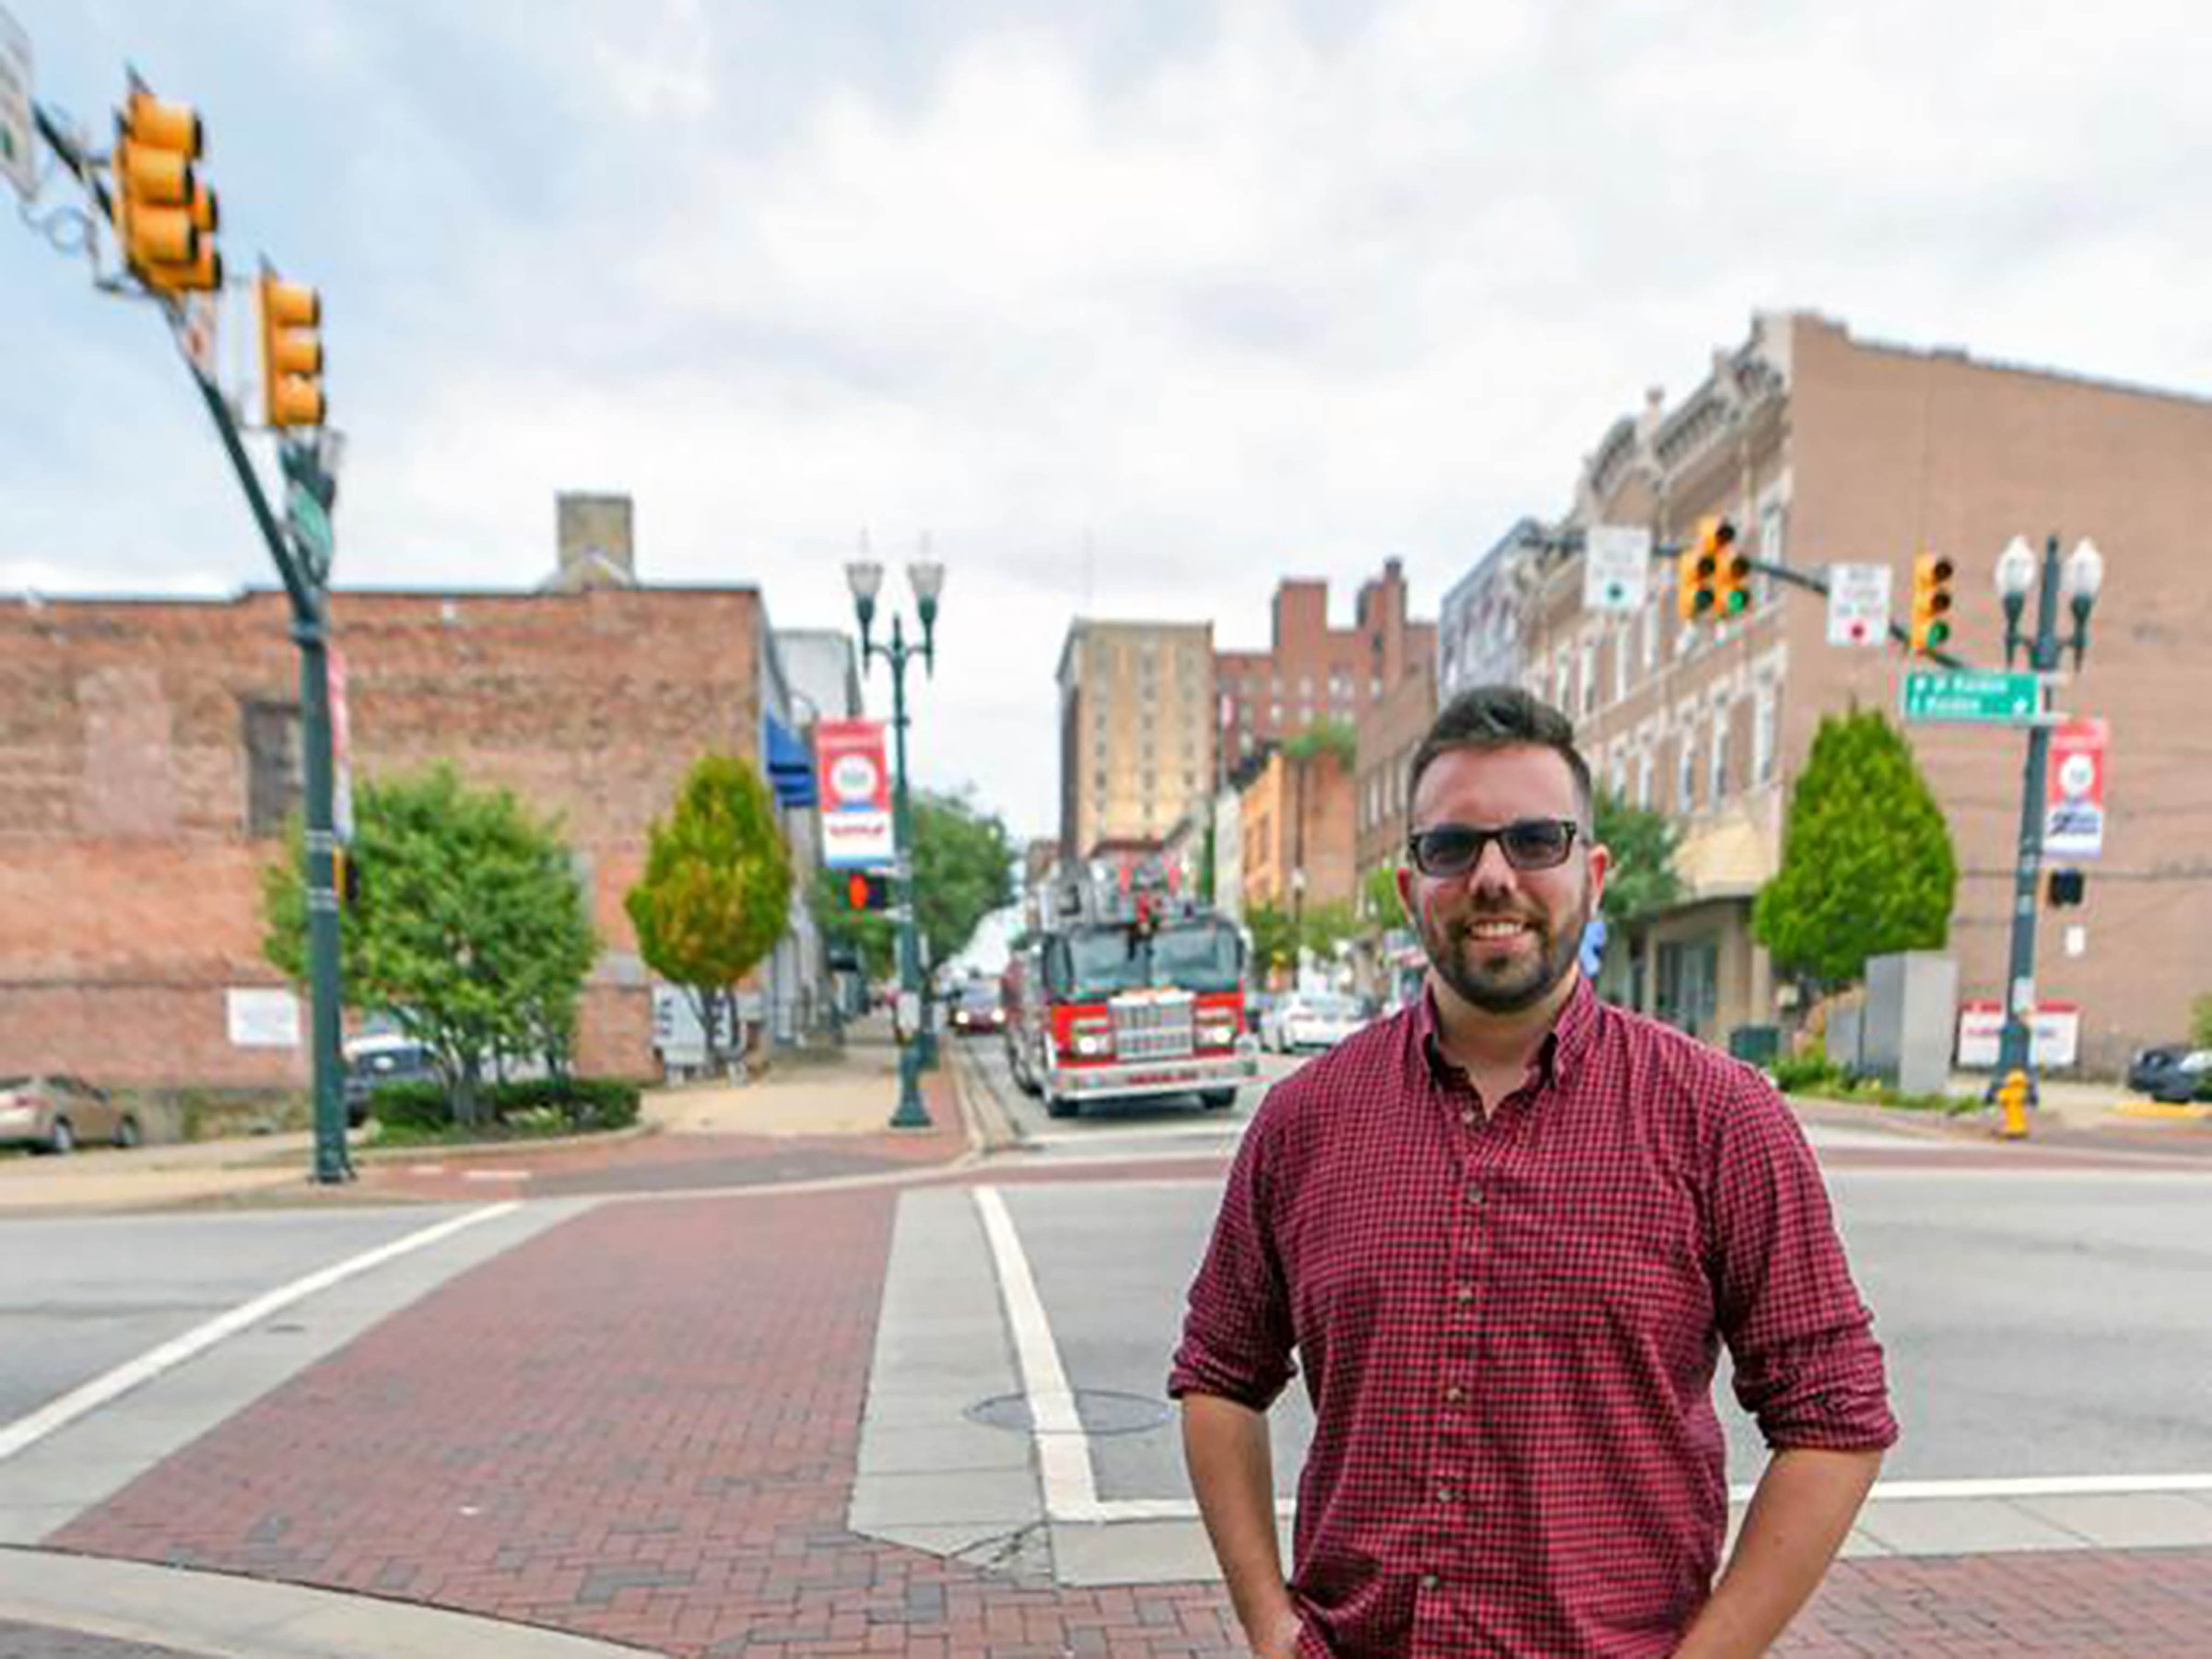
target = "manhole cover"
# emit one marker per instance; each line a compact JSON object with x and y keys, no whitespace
{"x":1099,"y":1410}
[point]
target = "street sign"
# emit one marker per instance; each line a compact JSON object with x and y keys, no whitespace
{"x":311,"y":530}
{"x":1973,"y":697}
{"x":1616,"y":562}
{"x":18,"y":131}
{"x":1858,"y":604}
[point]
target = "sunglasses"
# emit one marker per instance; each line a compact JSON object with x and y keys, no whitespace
{"x":1528,"y":844}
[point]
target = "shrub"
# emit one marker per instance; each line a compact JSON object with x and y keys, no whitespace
{"x":539,"y":1106}
{"x":1795,"y":1073}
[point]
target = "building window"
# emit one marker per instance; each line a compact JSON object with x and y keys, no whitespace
{"x":1643,"y":779}
{"x":1650,"y":632}
{"x":1762,"y":737}
{"x":274,"y":785}
{"x":1686,"y":771}
{"x":1589,"y":676}
{"x":1716,"y":783}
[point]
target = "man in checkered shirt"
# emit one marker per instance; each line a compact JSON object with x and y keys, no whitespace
{"x":1504,"y":1233}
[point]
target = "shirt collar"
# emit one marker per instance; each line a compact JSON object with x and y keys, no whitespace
{"x":1558,"y":1058}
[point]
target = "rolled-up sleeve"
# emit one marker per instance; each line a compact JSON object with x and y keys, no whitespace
{"x":1807,"y":1366}
{"x":1236,"y":1329}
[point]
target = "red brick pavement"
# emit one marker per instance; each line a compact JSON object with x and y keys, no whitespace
{"x":642,"y":1426}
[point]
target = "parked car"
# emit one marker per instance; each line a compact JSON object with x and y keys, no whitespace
{"x":56,"y":1113}
{"x":2172,"y":1073}
{"x":1311,"y":1020}
{"x":373,"y":1060}
{"x":978,"y":1006}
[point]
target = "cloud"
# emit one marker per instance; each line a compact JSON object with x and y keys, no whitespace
{"x":1136,"y":309}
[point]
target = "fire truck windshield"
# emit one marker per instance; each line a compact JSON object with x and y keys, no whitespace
{"x":1204,"y":956}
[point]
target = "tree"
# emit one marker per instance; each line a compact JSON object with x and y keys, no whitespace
{"x":1868,"y":866}
{"x":869,"y":934}
{"x":1642,"y":880}
{"x":470,"y":929}
{"x":964,"y":871}
{"x":1322,"y":927}
{"x":716,"y":892}
{"x":1274,"y":938}
{"x":1324,"y":737}
{"x":1379,"y":889}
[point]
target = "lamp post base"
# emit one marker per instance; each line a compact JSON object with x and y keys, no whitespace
{"x":911,"y":1114}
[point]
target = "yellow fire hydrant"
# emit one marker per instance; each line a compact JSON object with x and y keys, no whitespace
{"x":2012,"y":1094}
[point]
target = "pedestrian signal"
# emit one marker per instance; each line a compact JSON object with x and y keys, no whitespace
{"x":867,"y":890}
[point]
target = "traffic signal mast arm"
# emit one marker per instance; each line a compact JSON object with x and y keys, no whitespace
{"x":1670,"y":554}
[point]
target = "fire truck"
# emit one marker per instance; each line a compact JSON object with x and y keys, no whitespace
{"x":1123,"y":990}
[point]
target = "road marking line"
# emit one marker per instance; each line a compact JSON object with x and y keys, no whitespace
{"x":1071,"y":1490}
{"x":1887,"y":1491}
{"x":29,"y":1431}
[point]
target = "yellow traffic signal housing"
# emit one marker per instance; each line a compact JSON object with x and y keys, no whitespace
{"x":1731,"y":576}
{"x":165,"y":218}
{"x":291,"y":352}
{"x":1931,"y":575}
{"x":1698,"y":569}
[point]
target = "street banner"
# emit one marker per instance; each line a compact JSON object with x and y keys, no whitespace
{"x":2074,"y":790}
{"x":2053,"y":1034}
{"x":341,"y":750}
{"x":856,"y":794}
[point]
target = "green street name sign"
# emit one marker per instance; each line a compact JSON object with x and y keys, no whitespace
{"x":311,"y":529}
{"x":1973,"y":697}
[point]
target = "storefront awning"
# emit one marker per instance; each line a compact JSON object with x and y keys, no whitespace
{"x":790,"y":764}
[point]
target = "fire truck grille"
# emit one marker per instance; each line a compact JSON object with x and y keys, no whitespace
{"x":1153,"y":1031}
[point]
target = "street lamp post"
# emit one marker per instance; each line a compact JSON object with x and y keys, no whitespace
{"x":2080,"y":581}
{"x":865,"y":579}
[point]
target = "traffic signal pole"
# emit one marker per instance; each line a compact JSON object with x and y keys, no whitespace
{"x":305,"y":574}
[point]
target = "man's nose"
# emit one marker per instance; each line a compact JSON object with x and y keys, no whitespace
{"x":1492,"y":872}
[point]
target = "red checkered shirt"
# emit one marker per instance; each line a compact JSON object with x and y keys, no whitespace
{"x":1509,"y":1328}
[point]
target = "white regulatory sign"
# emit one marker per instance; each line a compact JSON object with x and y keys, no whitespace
{"x":19,"y":158}
{"x":1858,"y":604}
{"x":1616,"y":563}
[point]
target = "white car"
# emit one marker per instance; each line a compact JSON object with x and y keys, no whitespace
{"x":1312,"y":1020}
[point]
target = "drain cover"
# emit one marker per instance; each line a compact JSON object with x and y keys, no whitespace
{"x":1099,"y":1410}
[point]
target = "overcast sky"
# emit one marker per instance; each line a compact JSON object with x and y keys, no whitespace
{"x":1135,"y":308}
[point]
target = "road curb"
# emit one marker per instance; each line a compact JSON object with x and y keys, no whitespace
{"x":226,"y":1616}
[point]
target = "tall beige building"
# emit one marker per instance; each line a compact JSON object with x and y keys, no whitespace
{"x":1137,"y":730}
{"x":1825,"y":449}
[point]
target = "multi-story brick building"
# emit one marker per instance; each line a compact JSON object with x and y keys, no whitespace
{"x":149,"y":754}
{"x":1825,"y":449}
{"x":1311,"y":673}
{"x":1136,"y":737}
{"x":1296,"y":825}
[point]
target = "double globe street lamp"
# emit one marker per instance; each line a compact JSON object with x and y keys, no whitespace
{"x":2077,"y":582}
{"x":927,"y":576}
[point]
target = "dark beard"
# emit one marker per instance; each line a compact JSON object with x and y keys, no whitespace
{"x":1519,"y":988}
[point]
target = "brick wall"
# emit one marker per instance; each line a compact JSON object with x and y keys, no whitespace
{"x":129,"y":883}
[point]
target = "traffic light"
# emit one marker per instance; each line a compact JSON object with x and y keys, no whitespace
{"x":165,"y":218}
{"x":867,"y":890}
{"x":1931,"y":603}
{"x":2066,"y":888}
{"x":1731,"y":571}
{"x":1695,"y":568}
{"x":291,"y":352}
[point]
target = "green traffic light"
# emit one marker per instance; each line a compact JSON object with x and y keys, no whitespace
{"x":1738,"y":601}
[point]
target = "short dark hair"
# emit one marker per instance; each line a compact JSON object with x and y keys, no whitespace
{"x":1497,"y":717}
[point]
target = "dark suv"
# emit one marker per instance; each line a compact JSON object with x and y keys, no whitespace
{"x":2172,"y":1073}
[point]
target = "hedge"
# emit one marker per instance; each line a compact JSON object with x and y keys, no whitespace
{"x":578,"y":1104}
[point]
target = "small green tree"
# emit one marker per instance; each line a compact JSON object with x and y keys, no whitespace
{"x":1274,"y":938}
{"x":472,"y":930}
{"x":716,"y":892}
{"x":964,"y":871}
{"x":1641,"y":878}
{"x":1322,"y":927}
{"x":1378,"y":893}
{"x":1324,"y":737}
{"x":1868,"y":866}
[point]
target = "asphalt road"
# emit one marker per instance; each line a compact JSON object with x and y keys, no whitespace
{"x":2044,"y":1324}
{"x":1108,"y":1128}
{"x":81,"y":1294}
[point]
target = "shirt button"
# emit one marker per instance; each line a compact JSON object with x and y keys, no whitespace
{"x":1455,"y":1394}
{"x":1466,"y":1293}
{"x":1468,"y":1118}
{"x":1473,"y":1194}
{"x":1429,"y":1581}
{"x":1443,"y":1494}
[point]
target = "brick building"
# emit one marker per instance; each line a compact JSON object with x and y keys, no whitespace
{"x":149,"y":751}
{"x":1312,"y":673}
{"x":1823,"y":448}
{"x":1136,"y":738}
{"x":1297,"y":833}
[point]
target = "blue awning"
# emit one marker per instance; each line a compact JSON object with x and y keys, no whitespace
{"x":790,"y":764}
